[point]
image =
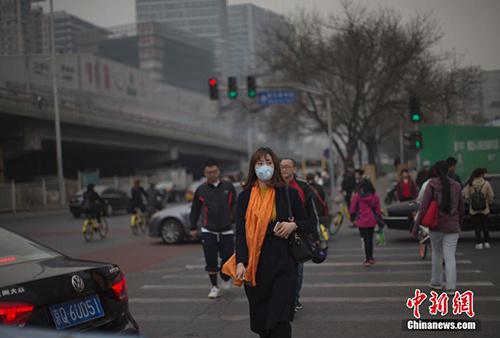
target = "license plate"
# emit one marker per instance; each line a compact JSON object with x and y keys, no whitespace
{"x":76,"y":312}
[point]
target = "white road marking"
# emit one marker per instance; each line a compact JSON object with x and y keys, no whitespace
{"x":321,"y":285}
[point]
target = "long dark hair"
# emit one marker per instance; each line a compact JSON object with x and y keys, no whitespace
{"x":276,"y":180}
{"x":478,"y":172}
{"x":366,"y":187}
{"x":441,"y":168}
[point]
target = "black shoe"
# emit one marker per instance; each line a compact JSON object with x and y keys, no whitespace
{"x":298,"y":306}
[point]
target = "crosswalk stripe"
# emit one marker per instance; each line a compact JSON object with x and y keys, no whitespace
{"x":304,"y":317}
{"x":305,"y":300}
{"x":337,"y":264}
{"x":337,"y":273}
{"x":379,"y":263}
{"x":378,"y":255}
{"x":321,"y":285}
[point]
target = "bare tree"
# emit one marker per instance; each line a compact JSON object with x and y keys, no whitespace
{"x":369,"y":63}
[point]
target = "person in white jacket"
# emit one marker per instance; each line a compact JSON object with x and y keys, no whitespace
{"x":479,"y":194}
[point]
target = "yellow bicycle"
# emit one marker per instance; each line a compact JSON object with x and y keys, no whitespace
{"x":340,"y":216}
{"x":138,"y":222}
{"x":90,"y":226}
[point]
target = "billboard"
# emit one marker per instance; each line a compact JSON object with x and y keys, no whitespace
{"x":472,"y":146}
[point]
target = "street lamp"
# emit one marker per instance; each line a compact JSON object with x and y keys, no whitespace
{"x":60,"y":175}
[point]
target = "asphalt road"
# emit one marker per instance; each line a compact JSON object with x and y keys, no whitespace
{"x":168,"y":287}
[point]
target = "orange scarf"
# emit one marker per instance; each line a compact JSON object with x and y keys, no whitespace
{"x":261,"y":210}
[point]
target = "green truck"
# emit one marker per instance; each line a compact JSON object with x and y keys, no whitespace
{"x":472,"y":146}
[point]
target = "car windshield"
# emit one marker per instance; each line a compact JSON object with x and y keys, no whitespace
{"x":16,"y":249}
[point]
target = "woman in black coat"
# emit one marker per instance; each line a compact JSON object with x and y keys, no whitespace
{"x":271,"y":299}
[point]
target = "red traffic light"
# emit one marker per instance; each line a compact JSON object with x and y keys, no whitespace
{"x":212,"y":82}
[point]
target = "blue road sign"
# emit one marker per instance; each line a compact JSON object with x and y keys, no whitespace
{"x":276,"y":97}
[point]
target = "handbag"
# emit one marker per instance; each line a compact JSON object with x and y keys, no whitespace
{"x":300,"y":247}
{"x":430,"y":218}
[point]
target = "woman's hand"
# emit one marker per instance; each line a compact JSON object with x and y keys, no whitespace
{"x":284,"y":229}
{"x":240,"y":271}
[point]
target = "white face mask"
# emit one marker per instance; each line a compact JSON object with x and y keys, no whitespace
{"x":264,"y":172}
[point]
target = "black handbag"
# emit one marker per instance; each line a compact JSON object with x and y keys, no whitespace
{"x":299,"y":246}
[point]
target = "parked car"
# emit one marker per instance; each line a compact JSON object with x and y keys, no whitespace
{"x":172,"y":224}
{"x":42,"y":288}
{"x":400,"y":215}
{"x":116,"y":200}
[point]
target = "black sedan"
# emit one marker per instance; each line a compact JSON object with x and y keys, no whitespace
{"x":400,"y":215}
{"x":116,"y":200}
{"x":42,"y":288}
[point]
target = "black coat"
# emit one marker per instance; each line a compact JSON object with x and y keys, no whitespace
{"x":272,"y":299}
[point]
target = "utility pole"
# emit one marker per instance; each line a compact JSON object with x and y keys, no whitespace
{"x":60,"y":174}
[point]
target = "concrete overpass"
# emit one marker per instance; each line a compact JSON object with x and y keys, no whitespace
{"x":113,"y":140}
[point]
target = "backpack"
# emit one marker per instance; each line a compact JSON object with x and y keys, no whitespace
{"x":478,"y":200}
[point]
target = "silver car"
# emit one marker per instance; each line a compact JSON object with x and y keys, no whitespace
{"x":172,"y":224}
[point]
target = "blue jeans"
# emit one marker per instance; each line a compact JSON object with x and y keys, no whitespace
{"x":300,"y":279}
{"x":444,"y":245}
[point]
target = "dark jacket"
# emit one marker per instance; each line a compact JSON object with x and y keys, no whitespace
{"x":282,"y":214}
{"x":272,"y":300}
{"x":349,"y":184}
{"x":137,"y":193}
{"x":449,"y":223}
{"x":216,"y":205}
{"x":92,"y":200}
{"x":312,"y":220}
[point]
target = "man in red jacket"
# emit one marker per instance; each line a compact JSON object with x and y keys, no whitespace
{"x":406,"y":190}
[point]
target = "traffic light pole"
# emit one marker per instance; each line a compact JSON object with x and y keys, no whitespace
{"x":57,"y":122}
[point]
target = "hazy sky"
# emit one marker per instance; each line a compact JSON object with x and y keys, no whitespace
{"x":472,"y":27}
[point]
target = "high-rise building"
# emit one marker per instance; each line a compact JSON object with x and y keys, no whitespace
{"x":207,"y":19}
{"x":169,"y":55}
{"x":20,"y":27}
{"x":67,"y":31}
{"x":247,"y":36}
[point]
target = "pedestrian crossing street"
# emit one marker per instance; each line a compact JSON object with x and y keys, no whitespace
{"x":340,"y":293}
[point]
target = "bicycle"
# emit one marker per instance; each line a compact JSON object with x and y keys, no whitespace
{"x":138,"y":221}
{"x":339,"y":217}
{"x":423,"y":242}
{"x":90,"y":226}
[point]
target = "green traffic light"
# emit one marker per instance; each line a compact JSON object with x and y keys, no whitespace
{"x":415,"y":117}
{"x":252,"y":93}
{"x":233,"y":94}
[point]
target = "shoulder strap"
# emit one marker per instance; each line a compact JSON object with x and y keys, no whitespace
{"x":289,"y":203}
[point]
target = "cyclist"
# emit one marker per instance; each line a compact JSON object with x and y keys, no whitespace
{"x":137,"y":193}
{"x":93,"y":203}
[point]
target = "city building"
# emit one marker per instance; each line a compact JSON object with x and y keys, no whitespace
{"x":67,"y":30}
{"x":207,"y":19}
{"x":247,"y":37}
{"x":169,"y":55}
{"x":20,"y":27}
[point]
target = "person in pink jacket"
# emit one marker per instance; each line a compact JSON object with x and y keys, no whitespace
{"x":365,"y":208}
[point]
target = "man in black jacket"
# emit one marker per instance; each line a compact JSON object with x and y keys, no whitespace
{"x":306,"y":196}
{"x":215,"y":202}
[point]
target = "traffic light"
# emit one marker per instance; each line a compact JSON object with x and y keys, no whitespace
{"x":417,"y":140}
{"x":232,"y":88}
{"x":251,"y":87}
{"x":213,"y":88}
{"x":415,"y":111}
{"x":414,"y":140}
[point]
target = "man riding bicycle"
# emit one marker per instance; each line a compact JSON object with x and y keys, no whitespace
{"x":137,"y":192}
{"x":93,"y":203}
